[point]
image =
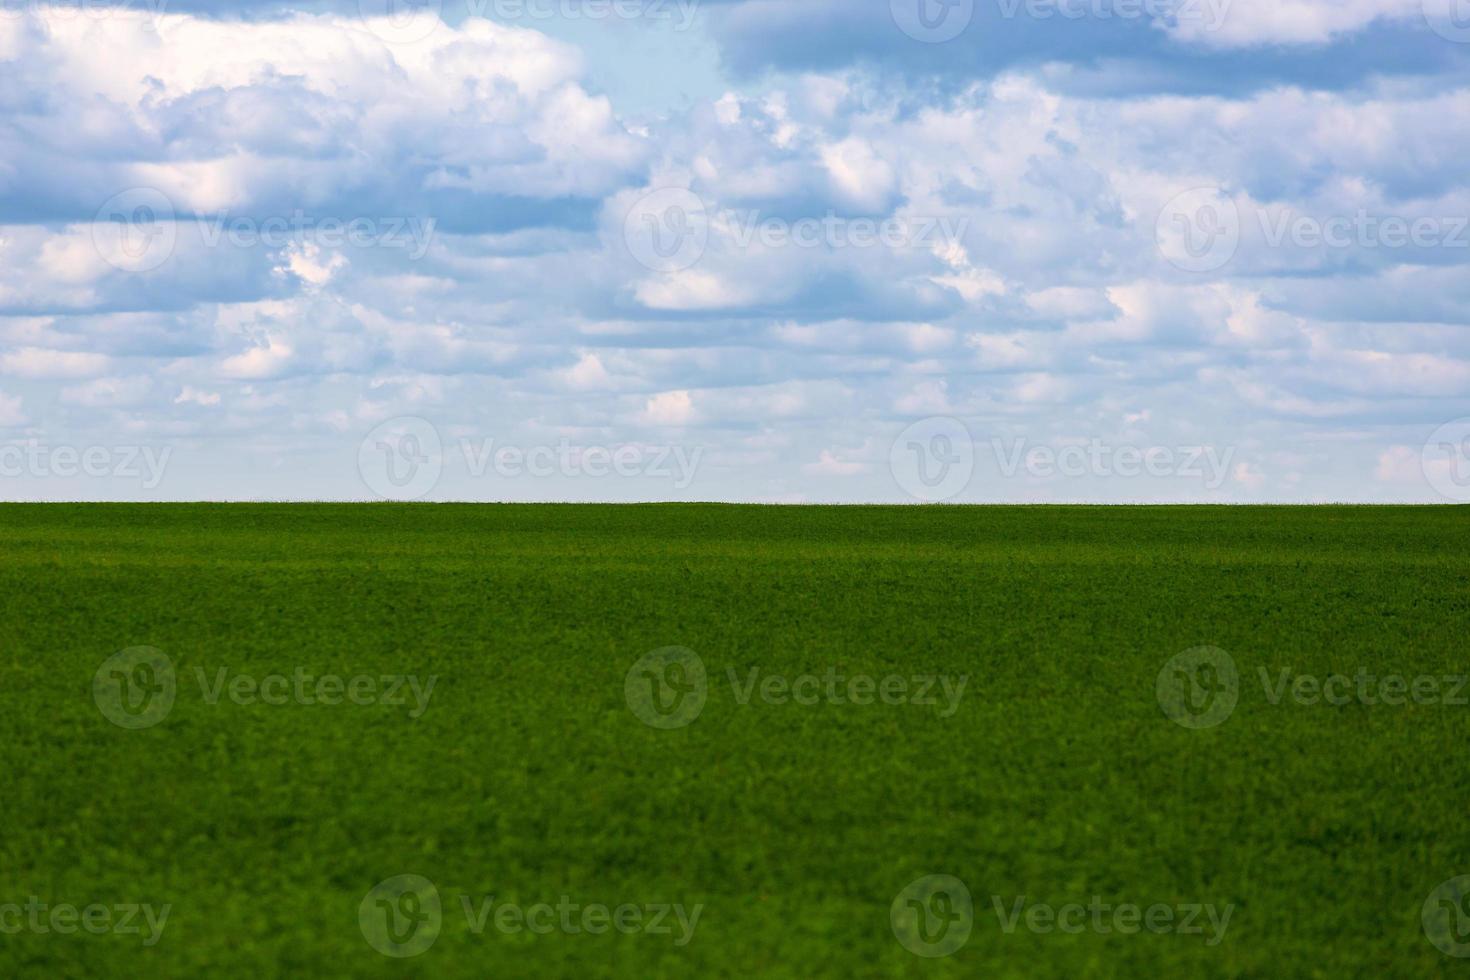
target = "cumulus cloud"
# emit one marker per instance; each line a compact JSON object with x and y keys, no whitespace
{"x":11,"y":414}
{"x":273,"y":234}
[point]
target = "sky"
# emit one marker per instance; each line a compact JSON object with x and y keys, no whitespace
{"x":781,"y":251}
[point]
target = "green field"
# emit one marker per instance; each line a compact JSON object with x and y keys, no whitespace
{"x":1052,"y":777}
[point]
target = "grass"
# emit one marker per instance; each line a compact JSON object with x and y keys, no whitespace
{"x":528,"y":776}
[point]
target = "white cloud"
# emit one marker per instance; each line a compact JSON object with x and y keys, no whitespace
{"x":588,"y":374}
{"x":1249,"y":476}
{"x":1050,"y":308}
{"x":829,"y":463}
{"x":35,"y":362}
{"x":193,"y":396}
{"x":259,"y":362}
{"x":1243,"y":23}
{"x":109,"y":392}
{"x":669,"y":408}
{"x":307,"y":262}
{"x":11,"y":412}
{"x":1399,"y":464}
{"x":858,"y":172}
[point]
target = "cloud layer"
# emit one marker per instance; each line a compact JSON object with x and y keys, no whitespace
{"x":1088,"y":251}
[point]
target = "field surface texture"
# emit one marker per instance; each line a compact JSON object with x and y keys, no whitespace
{"x":1252,"y":719}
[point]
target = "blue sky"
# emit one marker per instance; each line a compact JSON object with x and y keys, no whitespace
{"x":750,"y":250}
